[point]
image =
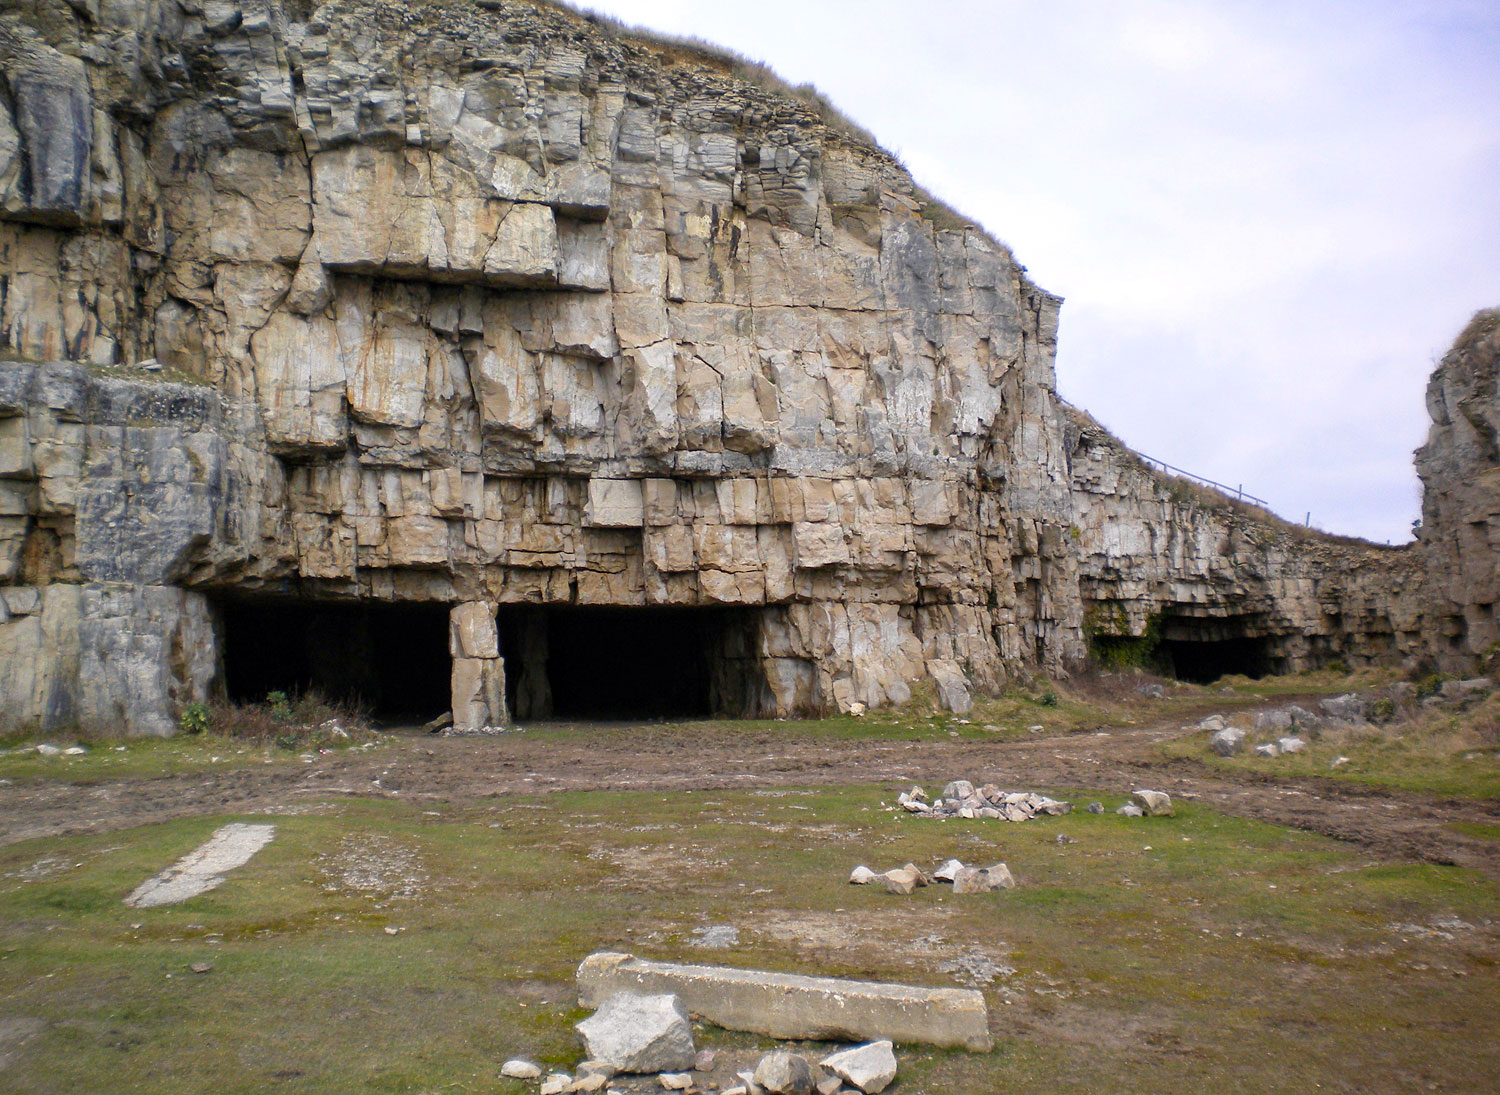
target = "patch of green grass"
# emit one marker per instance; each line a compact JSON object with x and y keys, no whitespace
{"x":135,"y":758}
{"x":1143,"y":945}
{"x":1386,"y":760}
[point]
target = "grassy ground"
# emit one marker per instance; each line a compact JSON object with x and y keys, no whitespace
{"x":384,"y":946}
{"x":1447,"y":753}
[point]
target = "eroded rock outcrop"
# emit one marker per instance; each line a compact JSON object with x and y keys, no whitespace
{"x":493,"y":308}
{"x":1460,"y":471}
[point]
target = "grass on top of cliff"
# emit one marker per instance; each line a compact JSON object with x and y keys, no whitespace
{"x":393,"y":946}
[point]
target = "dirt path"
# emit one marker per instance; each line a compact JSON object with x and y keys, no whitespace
{"x":1391,"y":825}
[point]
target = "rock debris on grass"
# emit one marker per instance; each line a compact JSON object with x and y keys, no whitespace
{"x":964,"y":879}
{"x":960,"y":798}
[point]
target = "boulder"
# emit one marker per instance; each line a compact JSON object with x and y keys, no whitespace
{"x":640,"y":1034}
{"x":870,"y":1067}
{"x":958,"y":790}
{"x":1227,"y":742}
{"x":1213,"y":723}
{"x":1130,"y":809}
{"x":862,"y":876}
{"x":1153,"y":803}
{"x":983,"y":879}
{"x":555,"y":1083}
{"x":783,"y":1073}
{"x":1268,"y":749}
{"x":518,"y":1068}
{"x":1350,"y":707}
{"x":1291,"y":745}
{"x":902,"y":880}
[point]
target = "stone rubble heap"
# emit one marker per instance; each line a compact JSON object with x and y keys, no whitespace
{"x":964,"y":879}
{"x":961,"y":799}
{"x":645,"y":1035}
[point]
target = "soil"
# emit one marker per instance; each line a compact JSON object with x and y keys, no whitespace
{"x":613,"y":756}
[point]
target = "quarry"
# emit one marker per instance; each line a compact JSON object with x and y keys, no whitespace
{"x":460,"y":357}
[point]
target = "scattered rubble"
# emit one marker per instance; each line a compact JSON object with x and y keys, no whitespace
{"x":965,"y":879}
{"x":961,"y":799}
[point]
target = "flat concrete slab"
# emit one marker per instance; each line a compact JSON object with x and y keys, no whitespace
{"x":790,"y":1005}
{"x":203,"y":868}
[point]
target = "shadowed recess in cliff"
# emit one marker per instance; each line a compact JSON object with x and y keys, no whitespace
{"x":390,"y":660}
{"x":628,"y":663}
{"x":1204,"y":649}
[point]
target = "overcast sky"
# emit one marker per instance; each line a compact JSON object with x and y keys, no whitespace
{"x":1269,"y":218}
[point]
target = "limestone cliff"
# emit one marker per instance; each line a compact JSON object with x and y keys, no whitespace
{"x":1460,"y":471}
{"x":488,"y":306}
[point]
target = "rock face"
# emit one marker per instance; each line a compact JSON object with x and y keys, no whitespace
{"x":495,"y":311}
{"x":1460,"y":471}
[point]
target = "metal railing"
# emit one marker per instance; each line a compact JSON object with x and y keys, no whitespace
{"x":1237,"y":493}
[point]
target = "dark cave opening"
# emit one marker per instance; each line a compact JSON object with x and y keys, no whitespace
{"x":388,"y":660}
{"x":1205,"y":661}
{"x":611,"y":663}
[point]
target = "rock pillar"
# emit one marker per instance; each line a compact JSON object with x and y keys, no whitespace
{"x":478,"y":670}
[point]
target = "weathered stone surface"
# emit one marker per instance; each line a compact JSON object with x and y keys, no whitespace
{"x":870,"y":1067}
{"x":204,"y":868}
{"x":983,"y":879}
{"x":792,"y":1006}
{"x":480,"y":306}
{"x":1153,"y":803}
{"x":1227,"y":742}
{"x":639,"y":1033}
{"x":1460,"y":471}
{"x":783,"y":1073}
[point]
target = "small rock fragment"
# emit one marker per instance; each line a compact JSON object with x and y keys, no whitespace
{"x":676,"y":1081}
{"x":1269,"y":749}
{"x":899,"y":881}
{"x":862,"y":876}
{"x":1130,"y":809}
{"x":704,"y":1062}
{"x":958,"y":790}
{"x":1213,"y":723}
{"x":1096,"y":807}
{"x":783,"y":1073}
{"x":947,"y":871}
{"x":870,"y":1067}
{"x":518,"y":1068}
{"x":830,"y":1085}
{"x":556,"y":1083}
{"x":1227,"y":742}
{"x":1291,"y":745}
{"x":201,"y":967}
{"x":47,"y":750}
{"x":1153,"y":803}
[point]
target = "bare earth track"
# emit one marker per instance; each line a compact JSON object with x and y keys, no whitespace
{"x":1391,"y":825}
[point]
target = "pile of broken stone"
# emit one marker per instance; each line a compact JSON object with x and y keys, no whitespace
{"x":904,"y":880}
{"x":961,"y":799}
{"x":645,"y":1035}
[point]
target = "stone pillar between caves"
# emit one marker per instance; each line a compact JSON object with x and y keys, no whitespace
{"x":478,"y":681}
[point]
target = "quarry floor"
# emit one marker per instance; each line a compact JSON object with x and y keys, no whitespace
{"x":424,"y":904}
{"x":726,"y":755}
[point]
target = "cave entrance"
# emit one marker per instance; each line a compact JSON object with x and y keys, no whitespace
{"x":388,"y":660}
{"x":1202,"y":650}
{"x":610,"y":663}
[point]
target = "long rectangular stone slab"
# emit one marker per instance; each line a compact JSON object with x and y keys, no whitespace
{"x":790,"y":1005}
{"x":204,"y":868}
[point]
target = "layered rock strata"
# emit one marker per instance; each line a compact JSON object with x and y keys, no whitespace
{"x":485,"y":306}
{"x":1460,"y":471}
